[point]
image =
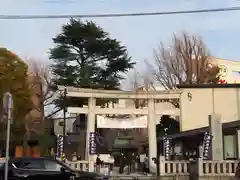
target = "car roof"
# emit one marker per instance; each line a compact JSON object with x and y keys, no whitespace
{"x":31,"y":158}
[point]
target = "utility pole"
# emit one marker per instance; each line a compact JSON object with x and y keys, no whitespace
{"x":8,"y":106}
{"x":64,"y":117}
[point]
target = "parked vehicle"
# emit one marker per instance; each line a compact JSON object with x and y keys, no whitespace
{"x":44,"y":168}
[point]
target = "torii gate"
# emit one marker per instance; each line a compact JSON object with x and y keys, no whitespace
{"x":151,"y":111}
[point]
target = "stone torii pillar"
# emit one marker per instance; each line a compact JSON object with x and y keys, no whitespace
{"x":152,"y":139}
{"x":90,"y":128}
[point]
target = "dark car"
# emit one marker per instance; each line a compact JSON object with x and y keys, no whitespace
{"x":44,"y":168}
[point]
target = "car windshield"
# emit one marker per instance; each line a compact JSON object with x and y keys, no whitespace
{"x":66,"y":166}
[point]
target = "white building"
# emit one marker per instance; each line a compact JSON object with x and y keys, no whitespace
{"x":229,"y":70}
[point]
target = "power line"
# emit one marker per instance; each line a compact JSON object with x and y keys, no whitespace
{"x":117,"y":15}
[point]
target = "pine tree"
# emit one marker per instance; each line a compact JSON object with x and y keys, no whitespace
{"x":85,"y":56}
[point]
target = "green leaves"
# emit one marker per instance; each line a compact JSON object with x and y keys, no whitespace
{"x":85,"y":56}
{"x":13,"y":78}
{"x":167,"y":126}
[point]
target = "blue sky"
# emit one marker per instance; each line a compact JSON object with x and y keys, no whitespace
{"x":33,"y":38}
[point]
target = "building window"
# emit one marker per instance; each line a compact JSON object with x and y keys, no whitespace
{"x":77,"y":129}
{"x":230,"y":146}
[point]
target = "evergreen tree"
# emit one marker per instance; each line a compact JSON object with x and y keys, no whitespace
{"x":85,"y":56}
{"x":167,"y":126}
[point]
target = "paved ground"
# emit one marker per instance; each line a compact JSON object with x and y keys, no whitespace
{"x":125,"y":175}
{"x":132,"y":177}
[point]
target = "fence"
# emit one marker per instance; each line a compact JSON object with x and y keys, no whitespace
{"x":226,"y":167}
{"x":83,"y":166}
{"x":201,"y":167}
{"x":79,"y":165}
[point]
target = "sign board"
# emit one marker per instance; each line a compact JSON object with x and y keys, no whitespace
{"x":117,"y":123}
{"x":207,"y":141}
{"x":7,"y":106}
{"x":92,"y":143}
{"x":167,"y":143}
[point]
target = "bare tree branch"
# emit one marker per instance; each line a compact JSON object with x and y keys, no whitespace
{"x":52,"y":114}
{"x":186,"y":61}
{"x":140,"y":83}
{"x":40,"y":82}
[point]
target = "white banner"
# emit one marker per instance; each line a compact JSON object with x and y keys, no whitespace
{"x":116,"y":123}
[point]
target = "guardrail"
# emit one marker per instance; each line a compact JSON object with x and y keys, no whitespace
{"x":202,"y":167}
{"x":79,"y":165}
{"x":182,"y":168}
{"x":219,"y":167}
{"x":83,"y":166}
{"x":174,"y":167}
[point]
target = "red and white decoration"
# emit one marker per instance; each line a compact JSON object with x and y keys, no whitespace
{"x":222,"y":81}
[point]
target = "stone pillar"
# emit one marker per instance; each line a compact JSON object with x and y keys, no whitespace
{"x":215,"y":127}
{"x":200,"y":150}
{"x":162,"y":165}
{"x":152,"y":140}
{"x":238,"y":143}
{"x":90,"y":128}
{"x":195,"y":168}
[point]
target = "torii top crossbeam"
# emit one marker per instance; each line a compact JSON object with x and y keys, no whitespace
{"x":96,"y":93}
